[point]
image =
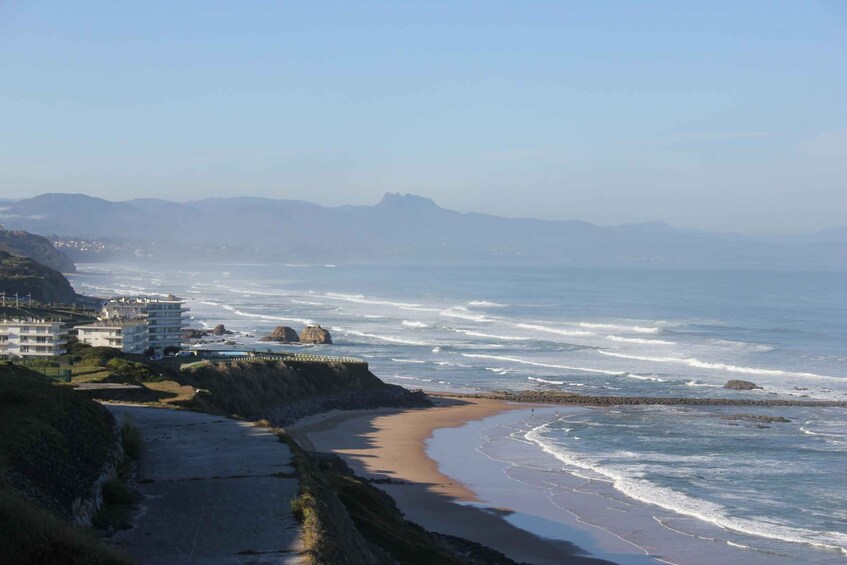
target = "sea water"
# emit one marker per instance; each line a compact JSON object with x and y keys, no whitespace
{"x":777,"y":487}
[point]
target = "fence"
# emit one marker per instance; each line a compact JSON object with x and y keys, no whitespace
{"x":219,"y":356}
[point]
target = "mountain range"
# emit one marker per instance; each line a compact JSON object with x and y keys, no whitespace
{"x":400,"y":228}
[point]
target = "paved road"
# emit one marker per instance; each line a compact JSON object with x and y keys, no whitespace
{"x":216,"y":491}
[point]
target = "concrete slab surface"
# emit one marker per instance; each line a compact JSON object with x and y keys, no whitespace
{"x":215,"y":490}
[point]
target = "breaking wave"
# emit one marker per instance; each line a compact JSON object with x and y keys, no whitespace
{"x":535,"y":364}
{"x":692,"y":362}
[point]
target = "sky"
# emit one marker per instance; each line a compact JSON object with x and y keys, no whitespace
{"x":718,"y":115}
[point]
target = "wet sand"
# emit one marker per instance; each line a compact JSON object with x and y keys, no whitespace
{"x":391,"y":444}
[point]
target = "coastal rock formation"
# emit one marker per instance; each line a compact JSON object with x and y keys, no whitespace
{"x":740,"y":385}
{"x":315,"y":334}
{"x":29,"y":279}
{"x":36,"y":248}
{"x":571,"y":398}
{"x":758,"y":418}
{"x":220,"y":329}
{"x":192,"y":333}
{"x":282,"y":334}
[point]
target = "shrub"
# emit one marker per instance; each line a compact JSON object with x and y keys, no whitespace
{"x":130,"y":439}
{"x":115,"y":492}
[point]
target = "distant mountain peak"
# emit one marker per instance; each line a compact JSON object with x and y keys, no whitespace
{"x":396,"y":200}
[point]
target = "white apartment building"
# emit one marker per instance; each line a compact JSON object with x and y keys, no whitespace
{"x":130,"y":336}
{"x":165,"y":318}
{"x":32,"y":338}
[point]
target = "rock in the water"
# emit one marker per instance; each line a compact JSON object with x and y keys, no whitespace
{"x":192,"y":333}
{"x":757,"y":418}
{"x":315,"y":334}
{"x":740,"y":385}
{"x":282,"y":334}
{"x":220,"y":329}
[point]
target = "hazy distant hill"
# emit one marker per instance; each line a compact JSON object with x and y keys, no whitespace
{"x":400,"y":228}
{"x":35,"y":247}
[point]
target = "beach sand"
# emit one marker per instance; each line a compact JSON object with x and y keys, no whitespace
{"x":389,"y":443}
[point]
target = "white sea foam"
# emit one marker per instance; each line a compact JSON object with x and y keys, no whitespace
{"x":692,"y":362}
{"x":535,"y":364}
{"x":639,"y":340}
{"x":670,"y":499}
{"x":307,"y":302}
{"x":464,"y":314}
{"x":411,"y":324}
{"x":361,"y":299}
{"x":636,"y":329}
{"x":238,"y":312}
{"x":647,"y":378}
{"x":698,"y":383}
{"x":490,"y":336}
{"x":545,"y":381}
{"x":412,"y":361}
{"x":558,"y":331}
{"x":758,"y":347}
{"x":389,"y":338}
{"x":486,"y":304}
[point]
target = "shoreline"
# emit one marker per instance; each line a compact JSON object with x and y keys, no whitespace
{"x":390,"y":446}
{"x":438,"y":465}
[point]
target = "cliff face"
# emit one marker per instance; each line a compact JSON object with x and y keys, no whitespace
{"x":285,"y":391}
{"x":37,"y":248}
{"x":25,"y":276}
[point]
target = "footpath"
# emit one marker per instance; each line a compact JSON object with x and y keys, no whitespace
{"x":216,"y":491}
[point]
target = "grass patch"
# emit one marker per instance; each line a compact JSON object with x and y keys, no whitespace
{"x":131,"y":439}
{"x":31,"y":535}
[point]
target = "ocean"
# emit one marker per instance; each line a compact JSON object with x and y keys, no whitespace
{"x":767,"y":490}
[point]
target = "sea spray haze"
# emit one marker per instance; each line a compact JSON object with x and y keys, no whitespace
{"x":602,"y":332}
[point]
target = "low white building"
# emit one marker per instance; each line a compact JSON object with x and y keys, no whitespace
{"x":165,"y":318}
{"x":130,"y":336}
{"x":32,"y":338}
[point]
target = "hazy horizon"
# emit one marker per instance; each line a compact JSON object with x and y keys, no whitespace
{"x":718,"y":116}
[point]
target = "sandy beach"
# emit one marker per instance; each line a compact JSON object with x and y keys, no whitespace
{"x":382,"y":444}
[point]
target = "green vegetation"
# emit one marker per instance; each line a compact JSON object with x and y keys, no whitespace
{"x":329,"y":535}
{"x":27,"y":277}
{"x":31,"y":535}
{"x":131,"y":439}
{"x":53,"y":445}
{"x":35,"y":247}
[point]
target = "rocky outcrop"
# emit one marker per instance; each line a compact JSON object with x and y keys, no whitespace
{"x":37,"y":248}
{"x":315,"y":334}
{"x":283,"y":334}
{"x":735,"y":384}
{"x":220,"y":329}
{"x":26,"y":277}
{"x":565,"y":398}
{"x":758,"y":418}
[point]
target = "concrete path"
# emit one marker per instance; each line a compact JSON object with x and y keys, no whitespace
{"x":216,"y":491}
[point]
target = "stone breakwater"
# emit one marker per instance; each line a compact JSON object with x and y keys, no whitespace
{"x":548,"y":397}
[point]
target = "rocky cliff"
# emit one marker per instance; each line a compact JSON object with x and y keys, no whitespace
{"x":26,"y":276}
{"x":282,"y":392}
{"x":35,"y":247}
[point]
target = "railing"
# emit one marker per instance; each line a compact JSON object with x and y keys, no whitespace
{"x":297,"y":357}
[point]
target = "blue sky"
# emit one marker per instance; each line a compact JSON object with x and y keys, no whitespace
{"x":714,"y":115}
